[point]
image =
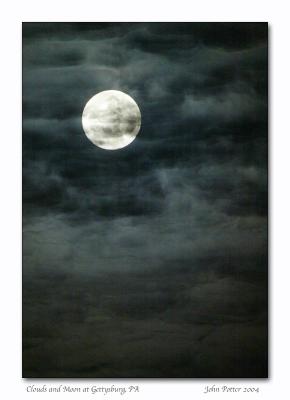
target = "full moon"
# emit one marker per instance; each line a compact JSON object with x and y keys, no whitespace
{"x":111,"y":119}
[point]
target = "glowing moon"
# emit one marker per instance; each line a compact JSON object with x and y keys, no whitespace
{"x":111,"y":120}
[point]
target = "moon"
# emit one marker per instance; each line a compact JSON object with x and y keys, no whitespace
{"x":111,"y":120}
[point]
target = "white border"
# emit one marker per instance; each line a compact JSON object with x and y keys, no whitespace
{"x":277,"y":14}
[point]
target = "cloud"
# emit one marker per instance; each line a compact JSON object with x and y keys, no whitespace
{"x":150,"y":261}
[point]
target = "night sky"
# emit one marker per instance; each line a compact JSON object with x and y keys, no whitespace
{"x":151,"y":260}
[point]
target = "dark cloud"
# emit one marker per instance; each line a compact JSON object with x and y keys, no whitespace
{"x":164,"y":37}
{"x":150,"y":261}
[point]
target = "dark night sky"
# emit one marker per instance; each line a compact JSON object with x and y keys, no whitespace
{"x":149,"y":261}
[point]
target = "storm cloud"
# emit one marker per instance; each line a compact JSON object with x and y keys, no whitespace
{"x":148,"y":261}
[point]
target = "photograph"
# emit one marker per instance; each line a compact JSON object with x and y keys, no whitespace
{"x":145,"y":200}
